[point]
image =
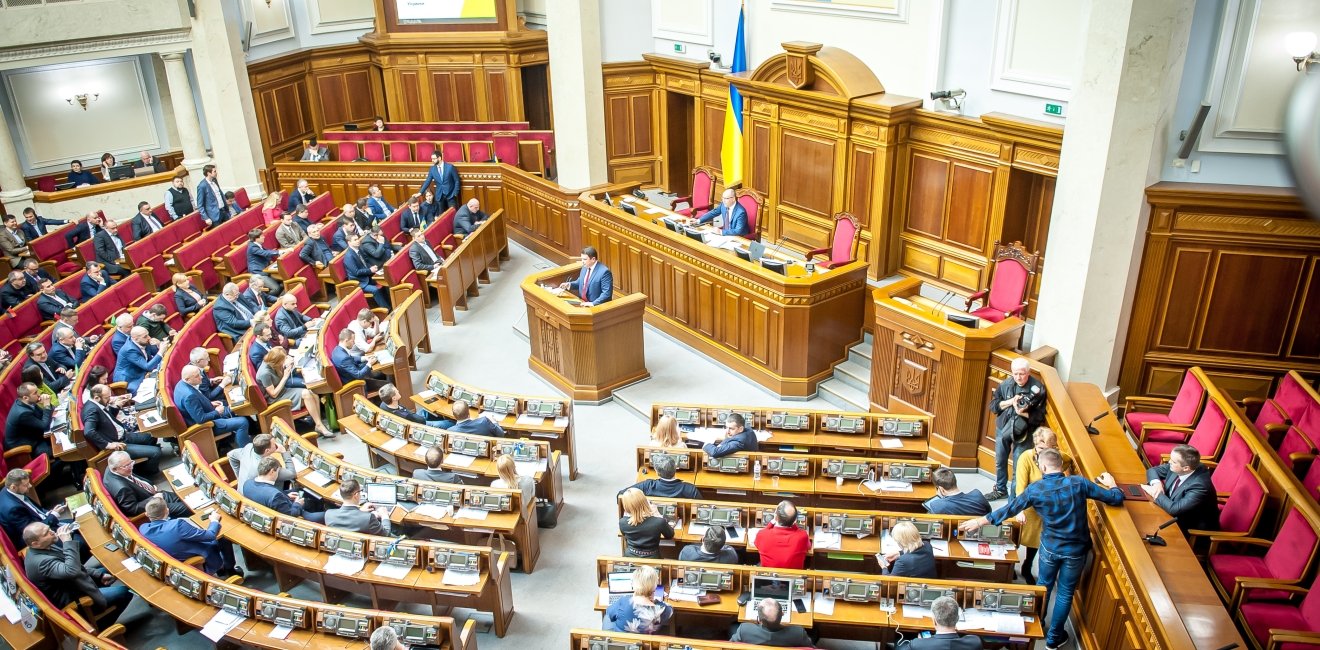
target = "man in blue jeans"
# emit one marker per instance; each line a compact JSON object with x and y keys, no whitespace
{"x":1065,"y":536}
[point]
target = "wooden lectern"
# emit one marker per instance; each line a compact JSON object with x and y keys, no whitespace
{"x":924,"y":363}
{"x":587,"y":352}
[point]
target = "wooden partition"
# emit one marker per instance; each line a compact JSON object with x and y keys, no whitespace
{"x":1230,"y":281}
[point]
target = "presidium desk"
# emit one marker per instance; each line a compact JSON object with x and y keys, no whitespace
{"x":785,"y":332}
{"x":587,"y":352}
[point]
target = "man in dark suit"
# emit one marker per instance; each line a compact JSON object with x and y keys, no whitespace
{"x":356,"y":267}
{"x":359,"y":214}
{"x":211,"y":199}
{"x":18,"y":510}
{"x":33,"y":272}
{"x":261,"y":343}
{"x":1183,"y":489}
{"x":16,"y":290}
{"x":468,"y":217}
{"x":390,"y":400}
{"x":353,"y":514}
{"x":380,"y":208}
{"x":376,"y":249}
{"x":259,"y":257}
{"x":945,"y":612}
{"x":302,"y":218}
{"x":424,"y":258}
{"x":81,"y":231}
{"x":104,"y":429}
{"x":257,"y":296}
{"x":145,"y":222}
{"x":29,"y":420}
{"x":666,"y":485}
{"x":68,"y":351}
{"x":262,"y":490}
{"x":213,"y":389}
{"x":182,"y":539}
{"x":433,"y":472}
{"x":949,"y":500}
{"x":352,"y":367}
{"x":301,"y":195}
{"x":131,"y":492}
{"x":465,"y":423}
{"x":315,"y":251}
{"x":35,"y":225}
{"x":52,"y":301}
{"x":94,"y":280}
{"x":232,"y":316}
{"x":734,"y":215}
{"x":289,"y":322}
{"x":347,"y":227}
{"x":123,"y":326}
{"x":56,"y":377}
{"x":137,"y":358}
{"x":446,"y":181}
{"x":54,"y":566}
{"x":737,"y":437}
{"x":595,"y":283}
{"x":110,"y":251}
{"x":411,"y":218}
{"x":769,"y":629}
{"x":196,"y":409}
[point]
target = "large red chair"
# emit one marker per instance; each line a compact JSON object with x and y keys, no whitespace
{"x":754,"y":204}
{"x":1007,"y":294}
{"x":1208,"y":437}
{"x":452,"y":151}
{"x":1293,"y":624}
{"x":703,"y":193}
{"x":347,"y":151}
{"x":1286,"y":560}
{"x":1232,"y":465}
{"x":1238,"y":515}
{"x":424,"y":151}
{"x":401,"y":152}
{"x":1297,"y":450}
{"x":1181,"y":411}
{"x":373,"y":151}
{"x":480,"y":151}
{"x":843,"y":242}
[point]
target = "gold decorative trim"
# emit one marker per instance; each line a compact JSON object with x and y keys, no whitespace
{"x":810,"y":119}
{"x":954,"y":140}
{"x":1271,"y":226}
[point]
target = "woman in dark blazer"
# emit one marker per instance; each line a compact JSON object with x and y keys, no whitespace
{"x":94,"y":281}
{"x":915,"y":557}
{"x":429,"y":210}
{"x":187,"y":297}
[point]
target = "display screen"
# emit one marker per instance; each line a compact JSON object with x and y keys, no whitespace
{"x":426,"y":438}
{"x":544,"y":409}
{"x":499,"y":404}
{"x":466,"y":395}
{"x":412,"y":633}
{"x":467,"y":447}
{"x":440,"y":388}
{"x":393,"y":427}
{"x":682,"y":416}
{"x":364,"y":412}
{"x":445,"y":12}
{"x":227,"y":502}
{"x":856,"y":590}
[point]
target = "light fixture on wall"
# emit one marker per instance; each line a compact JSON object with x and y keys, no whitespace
{"x":1301,"y":47}
{"x":82,"y":99}
{"x":268,"y":4}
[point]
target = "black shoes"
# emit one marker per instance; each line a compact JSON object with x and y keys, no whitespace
{"x":996,"y":495}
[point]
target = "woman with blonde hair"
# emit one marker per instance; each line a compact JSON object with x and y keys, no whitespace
{"x":276,"y":368}
{"x":641,"y":525}
{"x":666,"y":433}
{"x":639,"y":613}
{"x":914,"y":558}
{"x":270,"y":209}
{"x":509,"y":478}
{"x":1028,"y":472}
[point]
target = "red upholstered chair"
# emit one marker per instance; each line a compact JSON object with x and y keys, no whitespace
{"x":1311,"y":481}
{"x":346,"y":151}
{"x":506,"y":148}
{"x":1240,"y":513}
{"x":241,"y":197}
{"x":1181,"y":411}
{"x":843,"y":242}
{"x":424,"y":150}
{"x":1208,"y":436}
{"x":373,"y":151}
{"x":703,"y":193}
{"x":1273,"y":416}
{"x":1286,"y":559}
{"x":21,"y":457}
{"x":1289,"y":625}
{"x":1232,"y":464}
{"x":1296,"y":450}
{"x":401,"y":152}
{"x":480,"y":151}
{"x":754,"y":204}
{"x":46,"y":184}
{"x":452,"y":151}
{"x":1007,"y":294}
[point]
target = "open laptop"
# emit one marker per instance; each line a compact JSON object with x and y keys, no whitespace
{"x":619,"y":584}
{"x":381,"y":494}
{"x":777,"y":588}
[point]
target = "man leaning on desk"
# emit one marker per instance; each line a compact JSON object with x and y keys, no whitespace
{"x":735,"y":216}
{"x":595,"y":283}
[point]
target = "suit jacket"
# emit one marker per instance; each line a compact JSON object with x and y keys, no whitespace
{"x":428,"y":212}
{"x":745,"y":441}
{"x":141,"y":228}
{"x":133,"y":364}
{"x":1193,"y":502}
{"x":409,"y":220}
{"x":59,"y":574}
{"x":296,"y":199}
{"x":193,"y":404}
{"x":291,"y":323}
{"x":950,"y":641}
{"x":420,"y":260}
{"x":89,"y":287}
{"x":243,"y":460}
{"x":356,"y":267}
{"x":914,"y":564}
{"x":211,"y":393}
{"x":55,"y":380}
{"x":349,"y":366}
{"x":316,"y":250}
{"x":465,"y":221}
{"x":257,"y":352}
{"x":49,"y":305}
{"x":26,"y":424}
{"x":228,"y":319}
{"x":117,"y":341}
{"x":106,"y":250}
{"x":791,"y":636}
{"x":99,"y":425}
{"x":600,"y":286}
{"x":437,"y":475}
{"x":446,"y":181}
{"x":186,"y":303}
{"x":376,"y":253}
{"x":259,"y":257}
{"x":40,"y":227}
{"x":182,"y":540}
{"x":15,"y":248}
{"x":272,"y":497}
{"x":10,"y":296}
{"x":339,"y":243}
{"x":15,"y":515}
{"x":380,"y":208}
{"x":320,"y":154}
{"x":354,"y":519}
{"x":478,"y":426}
{"x":212,"y":207}
{"x":288,"y":235}
{"x":65,"y":357}
{"x":128,"y":495}
{"x":734,"y":224}
{"x":670,"y":489}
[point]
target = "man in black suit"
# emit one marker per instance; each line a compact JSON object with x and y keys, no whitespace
{"x":144,"y":222}
{"x":33,"y":272}
{"x":81,"y":231}
{"x":424,"y":258}
{"x":315,"y":251}
{"x":68,"y":351}
{"x":213,"y":388}
{"x":945,"y":611}
{"x":1183,"y":489}
{"x":35,"y":225}
{"x":433,"y":471}
{"x":56,"y":377}
{"x":410,"y":217}
{"x":103,"y":426}
{"x":28,"y":421}
{"x":131,"y":492}
{"x":16,"y":290}
{"x":376,"y":249}
{"x":301,"y":195}
{"x":289,"y":322}
{"x":468,"y":217}
{"x":110,"y":251}
{"x":52,"y":301}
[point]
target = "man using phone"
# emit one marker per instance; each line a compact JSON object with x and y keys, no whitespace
{"x":1019,"y":407}
{"x":53,"y":565}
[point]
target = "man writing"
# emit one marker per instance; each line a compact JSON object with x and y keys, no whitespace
{"x":1019,"y":407}
{"x":595,"y":283}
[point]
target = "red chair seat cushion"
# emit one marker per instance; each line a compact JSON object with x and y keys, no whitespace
{"x":1136,"y":420}
{"x":1261,"y":617}
{"x":39,"y":467}
{"x":989,"y":313}
{"x":1228,"y":567}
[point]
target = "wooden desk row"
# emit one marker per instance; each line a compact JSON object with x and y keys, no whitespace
{"x":827,"y":481}
{"x":395,"y":570}
{"x":469,"y":265}
{"x":811,"y":430}
{"x":391,"y":439}
{"x":860,"y":535}
{"x":544,"y":418}
{"x":837,"y":604}
{"x":320,"y":473}
{"x":41,"y":624}
{"x":193,"y":598}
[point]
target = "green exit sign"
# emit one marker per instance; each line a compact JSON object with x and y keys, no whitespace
{"x":1054,"y":109}
{"x":679,"y":48}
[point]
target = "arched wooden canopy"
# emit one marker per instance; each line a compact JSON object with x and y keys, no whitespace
{"x":816,"y":68}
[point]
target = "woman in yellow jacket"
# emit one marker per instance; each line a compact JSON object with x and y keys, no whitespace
{"x":1027,"y":472}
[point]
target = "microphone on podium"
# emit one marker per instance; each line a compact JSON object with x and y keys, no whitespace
{"x":1154,"y":538}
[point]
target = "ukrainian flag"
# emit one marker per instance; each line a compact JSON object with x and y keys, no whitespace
{"x":731,"y":149}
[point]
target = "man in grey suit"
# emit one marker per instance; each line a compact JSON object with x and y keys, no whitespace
{"x":352,"y":516}
{"x":468,"y":217}
{"x":767,"y":630}
{"x":244,"y":460}
{"x":465,"y":423}
{"x":945,"y":612}
{"x":424,"y":258}
{"x":432,"y":471}
{"x":53,"y":565}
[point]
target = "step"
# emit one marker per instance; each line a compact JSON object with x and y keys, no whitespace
{"x":861,"y":353}
{"x":854,"y":374}
{"x":867,"y":338}
{"x":842,"y":395}
{"x":635,"y":401}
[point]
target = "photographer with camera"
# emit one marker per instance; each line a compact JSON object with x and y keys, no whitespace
{"x":1019,"y":407}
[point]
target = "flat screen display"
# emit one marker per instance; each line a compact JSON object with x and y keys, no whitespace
{"x":445,"y":11}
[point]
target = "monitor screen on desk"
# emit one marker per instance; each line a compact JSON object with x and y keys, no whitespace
{"x":775,"y":265}
{"x":694,"y":235}
{"x":628,"y":207}
{"x":742,"y":254}
{"x":670,"y":224}
{"x":120,"y":172}
{"x":381,"y":494}
{"x":966,"y":320}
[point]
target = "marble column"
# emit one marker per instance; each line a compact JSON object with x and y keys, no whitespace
{"x":1113,"y":144}
{"x":226,"y":96}
{"x":185,"y":112}
{"x":577,"y":92}
{"x":14,"y":192}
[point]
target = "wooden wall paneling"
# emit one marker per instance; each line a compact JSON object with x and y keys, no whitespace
{"x":633,"y":118}
{"x":712,"y":133}
{"x":409,"y":106}
{"x":285,"y":116}
{"x":497,"y":87}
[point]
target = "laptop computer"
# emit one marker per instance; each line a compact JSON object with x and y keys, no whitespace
{"x":381,"y":494}
{"x":779,"y":589}
{"x":619,"y":584}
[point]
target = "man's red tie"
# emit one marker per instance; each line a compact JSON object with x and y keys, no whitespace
{"x":586,"y":281}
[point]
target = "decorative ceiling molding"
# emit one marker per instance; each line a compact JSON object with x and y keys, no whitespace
{"x":109,"y":45}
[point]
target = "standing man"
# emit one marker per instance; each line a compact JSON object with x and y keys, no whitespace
{"x":1019,"y":407}
{"x":595,"y":282}
{"x":211,"y":199}
{"x":1065,"y":535}
{"x":446,"y":181}
{"x":178,"y":201}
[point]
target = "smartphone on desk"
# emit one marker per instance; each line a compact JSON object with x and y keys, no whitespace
{"x":800,"y":605}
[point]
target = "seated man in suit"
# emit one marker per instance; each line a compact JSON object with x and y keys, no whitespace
{"x":376,"y":249}
{"x":261,"y":293}
{"x":56,"y":377}
{"x":145,"y":222}
{"x":79,"y":233}
{"x":711,"y":549}
{"x":244,"y":460}
{"x":18,"y":510}
{"x":736,"y":438}
{"x":52,"y":301}
{"x":35,"y":225}
{"x":949,"y":500}
{"x":353,"y":514}
{"x":362,"y":215}
{"x":153,"y":320}
{"x":94,"y":280}
{"x":769,"y":630}
{"x":67,"y":319}
{"x":54,"y":566}
{"x":258,"y":256}
{"x":734,"y":215}
{"x":231,"y":202}
{"x":302,"y":217}
{"x":109,"y":249}
{"x":301,"y":195}
{"x":347,"y":227}
{"x":137,"y":358}
{"x":291,"y":323}
{"x":315,"y":251}
{"x":352,"y":367}
{"x":16,"y":290}
{"x":288,"y":234}
{"x":106,"y":427}
{"x":425,"y":260}
{"x":465,"y":423}
{"x":945,"y":612}
{"x":69,"y":350}
{"x":1183,"y":489}
{"x":262,"y":490}
{"x":13,"y":242}
{"x":314,"y":152}
{"x":468,"y":217}
{"x":376,"y":203}
{"x":213,"y":388}
{"x":196,"y":409}
{"x":391,"y":401}
{"x":435,"y":456}
{"x":666,"y":485}
{"x":182,"y":539}
{"x":131,"y":492}
{"x":411,"y":217}
{"x":356,"y":267}
{"x":29,"y":420}
{"x":262,"y":341}
{"x":595,"y":283}
{"x":123,"y":327}
{"x":231,"y":315}
{"x":33,"y":272}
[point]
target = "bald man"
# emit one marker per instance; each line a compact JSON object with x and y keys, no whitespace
{"x":197,"y":409}
{"x":136,"y":358}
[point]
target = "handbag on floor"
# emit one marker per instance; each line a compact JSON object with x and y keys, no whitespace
{"x":499,"y":543}
{"x":546,"y":515}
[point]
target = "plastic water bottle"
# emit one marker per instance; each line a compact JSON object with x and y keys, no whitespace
{"x":756,"y":471}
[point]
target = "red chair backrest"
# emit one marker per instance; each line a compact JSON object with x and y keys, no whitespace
{"x":1294,"y":442}
{"x":398,"y":266}
{"x":442,"y":231}
{"x":424,"y":151}
{"x":46,"y":184}
{"x":1293,"y":549}
{"x":400,"y":152}
{"x":479,"y":151}
{"x":703,"y":191}
{"x":1233,"y":464}
{"x":319,"y":207}
{"x":347,"y":151}
{"x":241,"y":198}
{"x":1208,"y":436}
{"x":843,"y":248}
{"x":452,"y":151}
{"x":1187,"y":404}
{"x":390,"y":226}
{"x":1292,"y":397}
{"x":292,"y":266}
{"x":373,"y":151}
{"x":1311,"y":482}
{"x":506,"y":147}
{"x":336,"y":267}
{"x":162,"y":214}
{"x":1008,"y":285}
{"x":1242,"y":510}
{"x":752,"y":204}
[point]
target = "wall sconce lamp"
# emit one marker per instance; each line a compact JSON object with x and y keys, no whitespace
{"x":83,"y":99}
{"x":1301,"y":47}
{"x":268,"y":4}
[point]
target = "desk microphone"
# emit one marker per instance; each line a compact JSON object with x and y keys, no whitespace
{"x":939,"y":307}
{"x":1090,"y":426}
{"x":775,"y":248}
{"x":1154,"y":538}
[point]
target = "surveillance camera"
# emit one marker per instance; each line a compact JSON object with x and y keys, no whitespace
{"x":714,"y":57}
{"x":952,"y":93}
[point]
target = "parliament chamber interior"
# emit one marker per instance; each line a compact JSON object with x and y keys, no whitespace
{"x":660,"y":325}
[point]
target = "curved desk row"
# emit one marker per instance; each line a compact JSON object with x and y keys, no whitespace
{"x":39,"y":623}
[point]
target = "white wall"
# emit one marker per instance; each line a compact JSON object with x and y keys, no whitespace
{"x":290,"y":25}
{"x":49,"y":25}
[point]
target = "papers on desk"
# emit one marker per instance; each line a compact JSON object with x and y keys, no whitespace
{"x":763,"y":435}
{"x":131,"y":565}
{"x":62,"y":439}
{"x":391,"y":571}
{"x":8,"y":609}
{"x":1000,"y":622}
{"x":179,"y":476}
{"x":655,"y":211}
{"x":146,"y":391}
{"x":697,"y":529}
{"x":459,"y":460}
{"x":197,"y":500}
{"x":344,"y":566}
{"x":460,"y":578}
{"x":492,"y":416}
{"x":319,"y":478}
{"x":220,"y":625}
{"x":530,"y":467}
{"x":230,"y":363}
{"x":751,"y":535}
{"x":822,"y":605}
{"x":82,"y":510}
{"x":471,"y":513}
{"x":888,"y":545}
{"x":433,"y":511}
{"x":280,"y":632}
{"x":997,"y":551}
{"x":394,"y":444}
{"x":530,"y":420}
{"x":706,"y":435}
{"x":940,"y":547}
{"x":827,"y":540}
{"x":912,"y":611}
{"x":298,"y":465}
{"x":311,"y":373}
{"x":426,"y":395}
{"x":420,"y":452}
{"x":382,"y":357}
{"x":891,"y":443}
{"x":885,"y":485}
{"x":561,"y":421}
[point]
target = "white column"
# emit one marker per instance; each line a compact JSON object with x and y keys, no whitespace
{"x":14,"y":192}
{"x":185,"y":111}
{"x":577,"y":92}
{"x":1112,"y":150}
{"x":227,"y":96}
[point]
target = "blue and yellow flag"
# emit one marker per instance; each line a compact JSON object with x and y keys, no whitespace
{"x":731,"y":149}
